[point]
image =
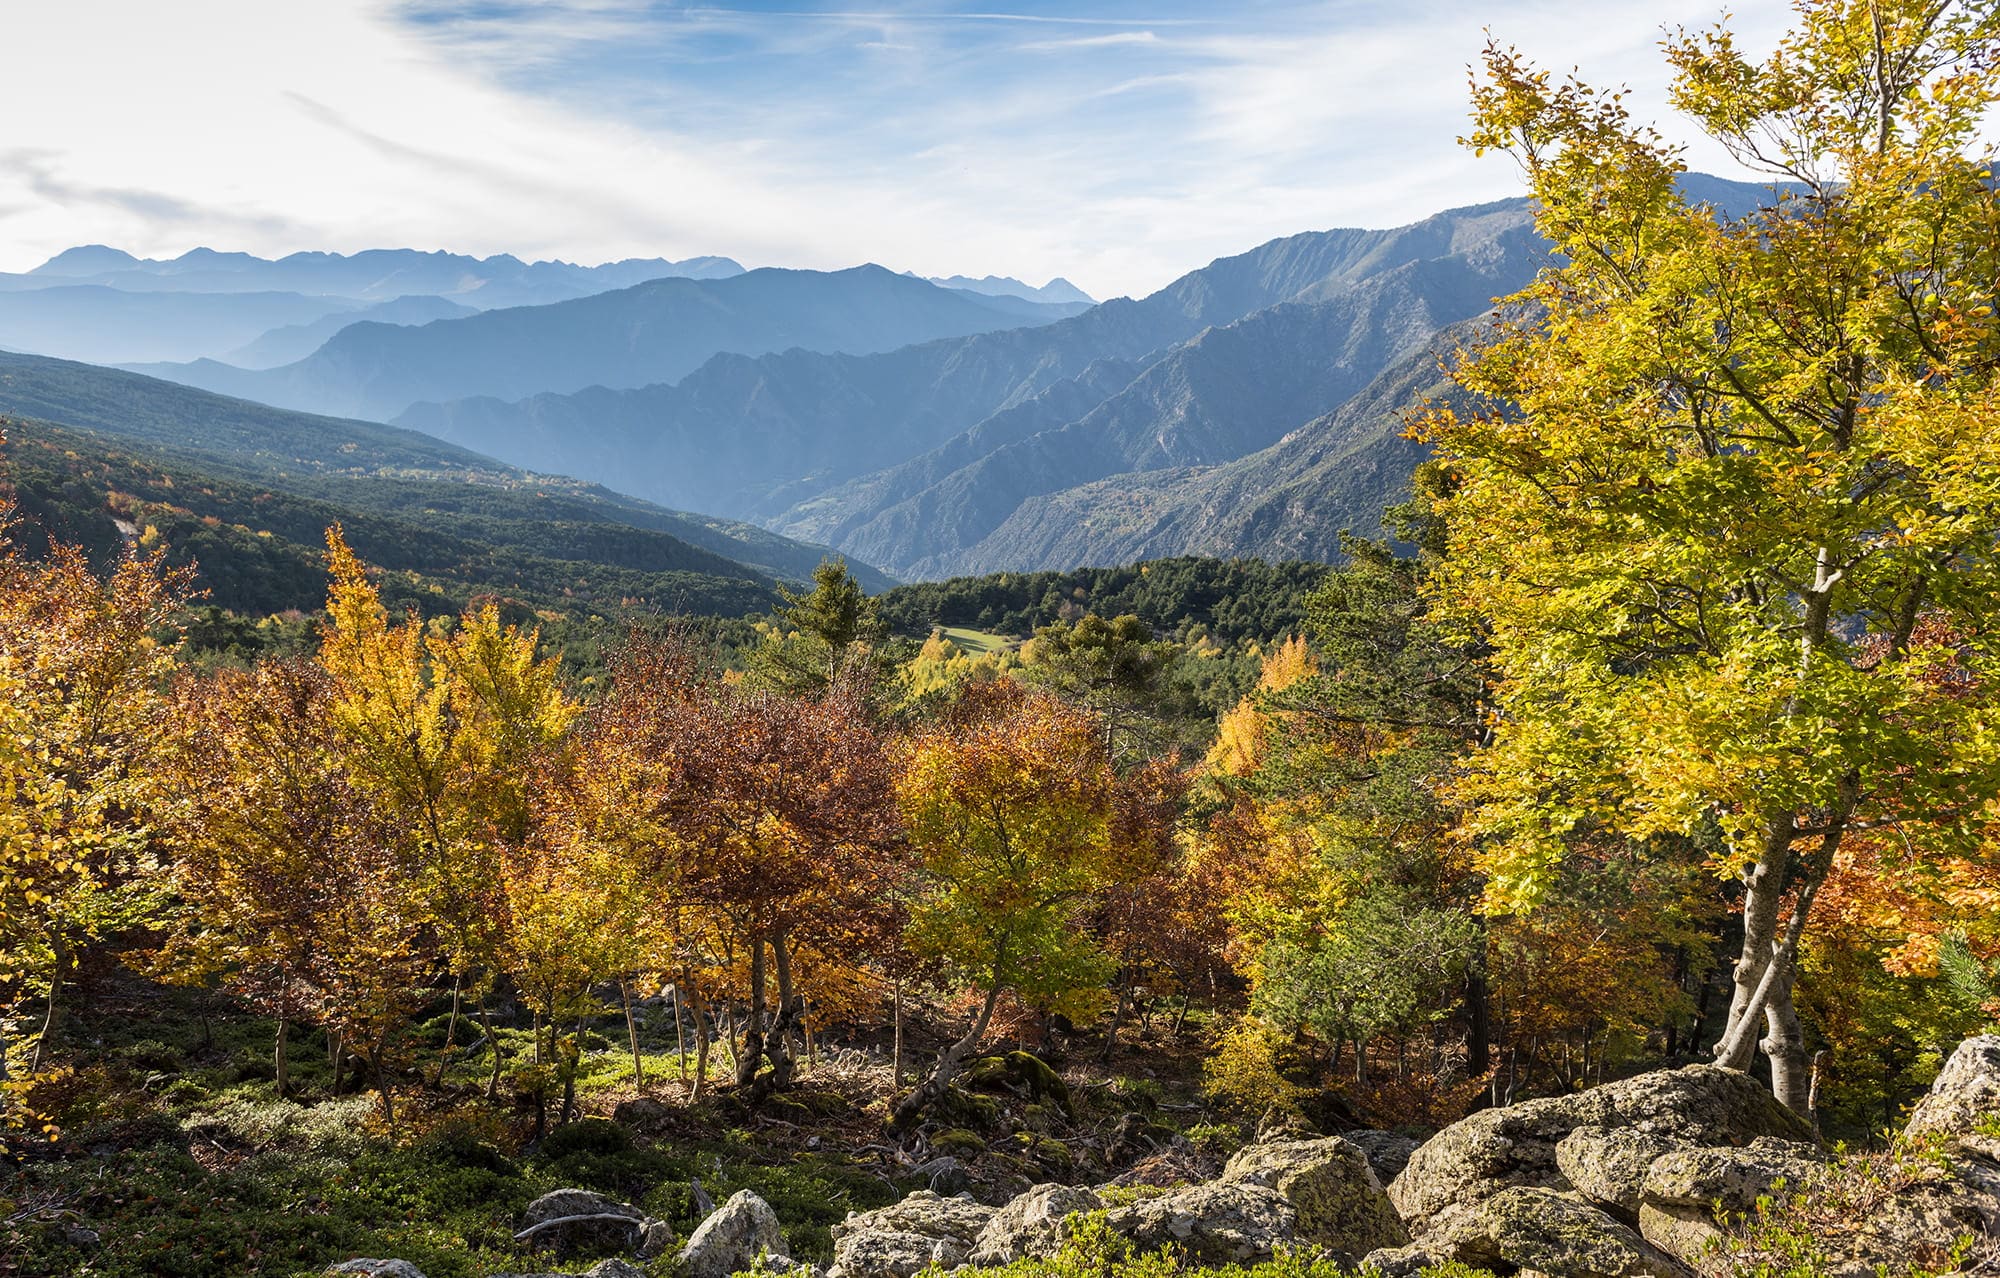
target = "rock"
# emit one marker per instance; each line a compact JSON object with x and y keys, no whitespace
{"x":377,"y":1268}
{"x":656,"y":1238}
{"x":1388,"y":1152}
{"x":1608,"y":1164}
{"x":899,"y":1240}
{"x":1498,"y":1149}
{"x":1030,"y":1226}
{"x":925,"y":1213}
{"x":1135,"y":1136}
{"x":1400,"y":1262}
{"x":1213,"y":1224}
{"x":1528,"y":1228}
{"x":1734,"y":1177}
{"x":577,"y":1221}
{"x":891,"y":1253}
{"x":1967,"y":1091}
{"x":1689,"y":1234}
{"x":613,"y":1268}
{"x":1334,"y":1192}
{"x":1281,"y":1122}
{"x":1020,"y":1072}
{"x":734,"y":1237}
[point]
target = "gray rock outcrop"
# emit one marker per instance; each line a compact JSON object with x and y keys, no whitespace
{"x":1237,"y":1223}
{"x":376,"y":1268}
{"x":1334,"y":1192}
{"x":1515,"y":1147}
{"x":735,"y":1237}
{"x":579,"y":1222}
{"x":896,"y":1241}
{"x":1030,"y":1226}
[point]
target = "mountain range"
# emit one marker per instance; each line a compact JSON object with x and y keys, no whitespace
{"x":658,"y":331}
{"x":1252,"y":406}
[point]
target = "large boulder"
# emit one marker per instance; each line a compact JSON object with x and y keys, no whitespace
{"x":376,"y":1268}
{"x":925,"y":1212}
{"x":613,"y":1268}
{"x":1238,"y":1223}
{"x":903,"y":1238}
{"x":1608,"y":1165}
{"x":1683,"y":1188}
{"x":735,"y":1237}
{"x":1965,"y":1095}
{"x":1550,"y":1232}
{"x":1331,"y":1187}
{"x":1030,"y":1226}
{"x":1733,"y":1177}
{"x":892,"y":1253}
{"x":1388,"y":1152}
{"x":1515,"y":1147}
{"x":578,"y":1222}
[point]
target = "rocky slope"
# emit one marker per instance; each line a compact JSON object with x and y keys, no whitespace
{"x":1659,"y":1176}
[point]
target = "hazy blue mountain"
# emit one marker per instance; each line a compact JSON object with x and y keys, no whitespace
{"x":294,"y":342}
{"x":1056,"y":290}
{"x":376,"y":275}
{"x":394,"y":473}
{"x":658,"y":331}
{"x":775,"y":437}
{"x":104,"y":325}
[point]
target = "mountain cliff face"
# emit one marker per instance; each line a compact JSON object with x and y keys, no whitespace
{"x":658,"y":331}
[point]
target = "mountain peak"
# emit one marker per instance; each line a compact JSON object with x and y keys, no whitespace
{"x":86,"y":259}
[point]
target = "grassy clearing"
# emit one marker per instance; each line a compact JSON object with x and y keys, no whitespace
{"x":979,"y":642}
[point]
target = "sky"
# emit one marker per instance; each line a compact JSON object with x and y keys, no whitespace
{"x":1117,"y":143}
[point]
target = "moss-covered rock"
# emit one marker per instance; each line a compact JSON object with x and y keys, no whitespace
{"x":1338,"y":1199}
{"x":957,"y":1142}
{"x":1551,"y":1232}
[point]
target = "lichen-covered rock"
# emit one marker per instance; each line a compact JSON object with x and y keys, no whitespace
{"x":612,"y":1268}
{"x":1400,"y":1262}
{"x":1608,"y":1164}
{"x":926,"y":1213}
{"x":1965,"y":1095}
{"x":892,"y":1253}
{"x":733,"y":1238}
{"x":376,"y":1268}
{"x":579,"y":1222}
{"x":1552,"y":1232}
{"x":1213,"y":1224}
{"x":1498,"y":1149}
{"x":1030,"y":1226}
{"x":1688,"y":1234}
{"x":1734,"y":1177}
{"x":1388,"y":1152}
{"x":1336,"y":1195}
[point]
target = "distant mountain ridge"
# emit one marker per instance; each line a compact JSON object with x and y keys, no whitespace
{"x":1058,"y":290}
{"x":658,"y":331}
{"x":373,"y":275}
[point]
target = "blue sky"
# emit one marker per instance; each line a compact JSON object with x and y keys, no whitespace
{"x":1116,"y":143}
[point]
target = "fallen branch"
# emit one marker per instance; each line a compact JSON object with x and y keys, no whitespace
{"x":634,"y":1221}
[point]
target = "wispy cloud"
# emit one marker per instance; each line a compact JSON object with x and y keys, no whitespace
{"x":1117,"y":142}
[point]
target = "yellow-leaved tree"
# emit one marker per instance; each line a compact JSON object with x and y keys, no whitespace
{"x":1736,"y":469}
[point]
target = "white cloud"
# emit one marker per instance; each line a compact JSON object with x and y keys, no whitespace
{"x":608,"y":128}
